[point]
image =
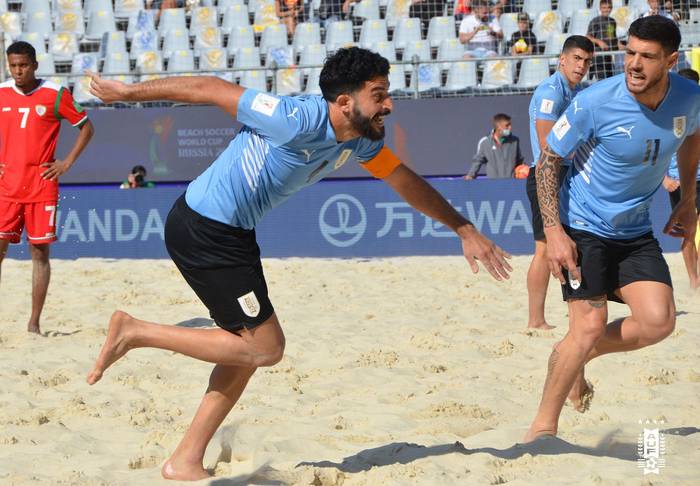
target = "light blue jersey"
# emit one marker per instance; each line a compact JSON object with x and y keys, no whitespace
{"x":622,"y":151}
{"x":286,"y":143}
{"x":672,"y":171}
{"x":549,"y":101}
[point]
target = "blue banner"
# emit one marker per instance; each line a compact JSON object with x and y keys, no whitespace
{"x":336,"y":218}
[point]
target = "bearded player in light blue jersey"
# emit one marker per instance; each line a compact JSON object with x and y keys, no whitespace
{"x":622,"y":132}
{"x":548,"y":103}
{"x":286,"y":144}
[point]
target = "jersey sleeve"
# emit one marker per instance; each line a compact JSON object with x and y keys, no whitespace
{"x":66,"y":107}
{"x":549,"y":104}
{"x":382,"y":163}
{"x":572,"y":129}
{"x":277,"y":118}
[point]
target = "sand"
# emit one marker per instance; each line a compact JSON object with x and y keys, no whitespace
{"x":397,"y":371}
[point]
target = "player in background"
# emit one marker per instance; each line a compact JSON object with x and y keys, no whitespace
{"x":622,"y":132}
{"x":31,"y":111}
{"x":548,"y":102}
{"x":672,"y":185}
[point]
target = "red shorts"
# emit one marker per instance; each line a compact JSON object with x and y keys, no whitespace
{"x":38,"y":218}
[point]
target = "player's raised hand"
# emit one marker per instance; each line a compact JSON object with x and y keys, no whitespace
{"x":561,"y":253}
{"x":107,"y":90}
{"x":476,"y":246}
{"x":54,"y":169}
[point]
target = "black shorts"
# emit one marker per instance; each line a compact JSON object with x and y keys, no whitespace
{"x":607,"y":265}
{"x":675,"y":197}
{"x":531,"y":188}
{"x":222,"y":265}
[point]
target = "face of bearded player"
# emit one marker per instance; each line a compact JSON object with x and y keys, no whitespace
{"x":371,"y":104}
{"x":22,"y":69}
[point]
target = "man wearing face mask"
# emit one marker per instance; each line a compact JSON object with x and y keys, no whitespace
{"x":286,"y":143}
{"x":499,"y":151}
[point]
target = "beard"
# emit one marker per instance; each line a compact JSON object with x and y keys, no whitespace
{"x":364,"y":126}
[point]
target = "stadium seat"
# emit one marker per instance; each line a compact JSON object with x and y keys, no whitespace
{"x":92,"y":6}
{"x":113,"y":42}
{"x":694,"y":15}
{"x":265,"y":14}
{"x":47,"y":66}
{"x":509,"y":24}
{"x":497,"y":74}
{"x":70,"y":21}
{"x":554,"y":45}
{"x":338,"y":34}
{"x":287,"y":82}
{"x":31,"y":6}
{"x":407,"y":30}
{"x":273,"y":36}
{"x":420,"y":50}
{"x":3,"y":6}
{"x":181,"y":60}
{"x":254,"y":79}
{"x":149,"y":62}
{"x":425,"y":78}
{"x":170,"y":19}
{"x":254,"y":5}
{"x":235,"y":16}
{"x":116,"y":63}
{"x":546,"y":24}
{"x":441,"y":28}
{"x":450,"y":50}
{"x":174,"y":40}
{"x":81,"y":91}
{"x":313,"y":55}
{"x":85,"y":61}
{"x":207,"y":38}
{"x":63,"y":46}
{"x":123,"y":9}
{"x":239,"y":37}
{"x":35,"y":39}
{"x":566,"y":8}
{"x":532,"y":73}
{"x":123,"y":78}
{"x":202,"y":18}
{"x":279,"y":57}
{"x":65,"y":5}
{"x":222,"y":5}
{"x":366,"y":10}
{"x":579,"y":22}
{"x":39,"y":22}
{"x":397,"y":10}
{"x":397,"y":78}
{"x":139,"y":21}
{"x":62,"y":80}
{"x":214,"y":59}
{"x":306,"y":34}
{"x":11,"y":23}
{"x":247,"y":57}
{"x":534,"y":7}
{"x":624,"y":16}
{"x":373,"y":31}
{"x":385,"y":49}
{"x":100,"y":21}
{"x":143,"y":41}
{"x":312,"y":83}
{"x":461,"y":76}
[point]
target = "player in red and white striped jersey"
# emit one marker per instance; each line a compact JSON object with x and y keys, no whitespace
{"x":31,"y":111}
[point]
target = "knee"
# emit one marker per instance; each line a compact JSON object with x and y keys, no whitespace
{"x":588,"y":333}
{"x":270,"y":355}
{"x":40,"y":253}
{"x":659,"y":324}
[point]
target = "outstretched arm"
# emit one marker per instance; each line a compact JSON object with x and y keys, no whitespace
{"x":561,"y":250}
{"x":182,"y":89}
{"x":422,"y":196}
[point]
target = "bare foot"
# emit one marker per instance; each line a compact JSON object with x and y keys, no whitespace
{"x":535,"y":433}
{"x":181,"y":472}
{"x":115,"y":346}
{"x":540,"y":325}
{"x":34,"y":327}
{"x":581,"y":394}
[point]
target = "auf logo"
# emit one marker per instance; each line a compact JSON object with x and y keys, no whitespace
{"x":342,"y":220}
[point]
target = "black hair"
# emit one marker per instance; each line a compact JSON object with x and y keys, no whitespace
{"x":658,"y":29}
{"x":138,"y":169}
{"x":607,"y":2}
{"x":501,"y":117}
{"x":577,"y":42}
{"x":347,"y":70}
{"x":21,"y":47}
{"x":691,"y":74}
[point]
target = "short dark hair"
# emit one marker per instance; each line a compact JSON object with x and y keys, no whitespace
{"x":658,"y":29}
{"x":606,"y":2}
{"x":21,"y":47}
{"x":348,"y":69}
{"x":501,"y":117}
{"x":688,"y":73}
{"x":138,"y":169}
{"x":578,"y":42}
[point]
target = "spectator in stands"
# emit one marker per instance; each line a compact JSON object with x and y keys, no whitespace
{"x":290,"y":13}
{"x":161,"y":5}
{"x":654,"y":8}
{"x":602,"y":32}
{"x":480,"y":32}
{"x":137,"y":179}
{"x":426,"y":10}
{"x":499,"y":150}
{"x":331,"y":11}
{"x":668,"y":8}
{"x":462,"y":9}
{"x":523,"y":41}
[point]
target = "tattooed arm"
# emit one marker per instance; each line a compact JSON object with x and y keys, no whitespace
{"x":561,"y":250}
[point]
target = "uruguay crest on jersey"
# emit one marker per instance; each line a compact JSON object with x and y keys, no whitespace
{"x":679,"y":126}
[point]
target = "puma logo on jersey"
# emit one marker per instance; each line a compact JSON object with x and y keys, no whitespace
{"x":576,"y":108}
{"x":293,"y":114}
{"x":307,"y":152}
{"x":626,"y":131}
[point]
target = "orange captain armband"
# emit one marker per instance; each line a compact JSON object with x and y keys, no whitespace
{"x":382,"y":164}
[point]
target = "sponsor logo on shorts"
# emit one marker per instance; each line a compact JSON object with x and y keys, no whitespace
{"x":265,"y":104}
{"x":561,"y":127}
{"x":651,"y":447}
{"x":249,"y":303}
